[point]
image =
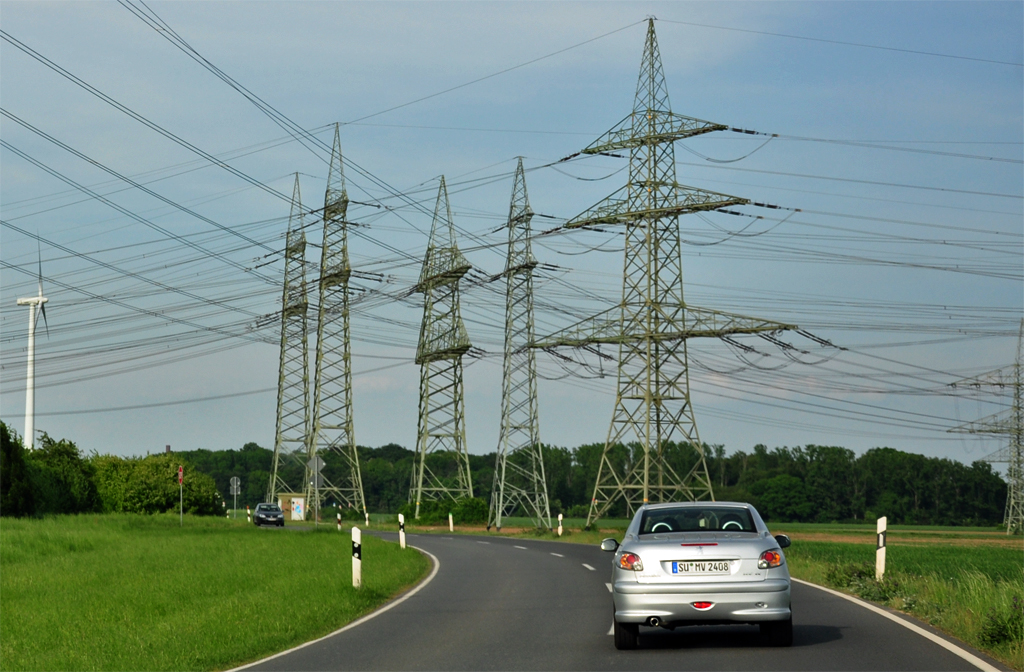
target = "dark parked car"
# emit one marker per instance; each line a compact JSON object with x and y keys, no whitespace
{"x":268,"y":514}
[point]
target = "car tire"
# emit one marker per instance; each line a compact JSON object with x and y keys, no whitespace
{"x":778,"y":633}
{"x":627,"y":636}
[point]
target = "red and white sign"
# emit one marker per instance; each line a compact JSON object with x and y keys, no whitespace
{"x":181,"y":475}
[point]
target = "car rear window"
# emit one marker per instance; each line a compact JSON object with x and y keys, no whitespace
{"x":697,"y":519}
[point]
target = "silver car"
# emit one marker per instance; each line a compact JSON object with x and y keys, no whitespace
{"x":700,"y":563}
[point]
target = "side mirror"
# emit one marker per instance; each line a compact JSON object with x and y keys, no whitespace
{"x":609,"y":545}
{"x":783,"y":540}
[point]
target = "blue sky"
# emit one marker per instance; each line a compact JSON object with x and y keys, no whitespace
{"x":907,"y":253}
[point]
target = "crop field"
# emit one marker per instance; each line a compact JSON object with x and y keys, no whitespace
{"x":137,"y":592}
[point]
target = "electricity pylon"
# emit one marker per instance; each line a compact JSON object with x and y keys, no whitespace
{"x":519,"y":467}
{"x":1009,"y":423}
{"x":333,"y":428}
{"x":652,"y":323}
{"x":291,"y":437}
{"x":443,"y":342}
{"x":36,"y":307}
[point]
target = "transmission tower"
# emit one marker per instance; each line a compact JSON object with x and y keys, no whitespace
{"x":1009,"y":423}
{"x":443,"y":342}
{"x":652,"y":323}
{"x":293,"y":422}
{"x":519,"y":467}
{"x":332,"y":381}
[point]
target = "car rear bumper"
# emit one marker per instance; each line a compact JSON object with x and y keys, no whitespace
{"x":672,"y":604}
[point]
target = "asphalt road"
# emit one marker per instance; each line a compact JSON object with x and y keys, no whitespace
{"x":511,"y":604}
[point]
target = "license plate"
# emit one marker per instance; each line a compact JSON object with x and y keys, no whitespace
{"x":701,"y":567}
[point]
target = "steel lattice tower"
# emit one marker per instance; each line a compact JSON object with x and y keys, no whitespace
{"x":652,"y":323}
{"x":443,"y":342}
{"x":332,"y":388}
{"x":293,"y":421}
{"x":519,"y":467}
{"x":1010,"y":423}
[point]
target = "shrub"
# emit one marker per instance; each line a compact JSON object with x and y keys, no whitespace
{"x":62,"y":482}
{"x":1001,"y":626}
{"x":15,"y":488}
{"x":150,"y":485}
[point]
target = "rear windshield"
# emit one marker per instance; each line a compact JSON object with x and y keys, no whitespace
{"x":697,"y":519}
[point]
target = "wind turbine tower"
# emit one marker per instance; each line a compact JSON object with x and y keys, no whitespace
{"x":36,"y":306}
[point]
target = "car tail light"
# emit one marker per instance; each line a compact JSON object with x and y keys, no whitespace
{"x":703,"y":606}
{"x":631,"y":561}
{"x":769,"y":559}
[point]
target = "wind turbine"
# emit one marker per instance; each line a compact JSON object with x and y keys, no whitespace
{"x":36,"y":306}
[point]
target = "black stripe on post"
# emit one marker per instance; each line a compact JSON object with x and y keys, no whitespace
{"x":401,"y":525}
{"x":881,"y":539}
{"x":357,"y":551}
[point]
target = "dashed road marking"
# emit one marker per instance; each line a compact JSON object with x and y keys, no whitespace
{"x":522,"y":547}
{"x":483,"y":542}
{"x":589,"y":567}
{"x":609,"y":587}
{"x":558,"y":555}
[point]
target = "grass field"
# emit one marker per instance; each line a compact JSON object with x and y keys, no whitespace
{"x":122,"y":592}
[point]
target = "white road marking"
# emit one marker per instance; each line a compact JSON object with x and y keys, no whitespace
{"x":611,"y":630}
{"x":364,"y":619}
{"x":522,"y":547}
{"x":589,"y":567}
{"x":609,"y":587}
{"x":949,"y":646}
{"x":483,"y":542}
{"x":558,"y":555}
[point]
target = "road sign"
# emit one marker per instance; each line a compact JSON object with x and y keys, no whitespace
{"x":316,"y":464}
{"x":316,"y":480}
{"x":236,"y":484}
{"x":181,"y":475}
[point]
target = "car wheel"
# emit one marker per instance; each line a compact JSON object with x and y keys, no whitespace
{"x":778,"y":633}
{"x":627,"y":636}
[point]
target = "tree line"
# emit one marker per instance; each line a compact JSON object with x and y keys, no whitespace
{"x":803,"y":484}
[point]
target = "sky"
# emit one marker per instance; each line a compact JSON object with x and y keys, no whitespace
{"x":897,"y":164}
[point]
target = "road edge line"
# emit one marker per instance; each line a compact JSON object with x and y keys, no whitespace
{"x":983,"y":665}
{"x":358,"y":621}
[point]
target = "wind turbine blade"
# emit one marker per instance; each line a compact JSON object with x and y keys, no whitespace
{"x":42,"y":309}
{"x":39,"y":258}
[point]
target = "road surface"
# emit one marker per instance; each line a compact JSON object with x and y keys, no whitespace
{"x":514,"y":604}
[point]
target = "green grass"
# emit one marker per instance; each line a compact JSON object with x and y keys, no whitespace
{"x":119,"y":592}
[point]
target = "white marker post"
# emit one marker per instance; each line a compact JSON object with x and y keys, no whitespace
{"x":401,"y":530}
{"x":248,"y":514}
{"x":357,"y":557}
{"x":367,"y":516}
{"x":559,"y":524}
{"x":339,"y":521}
{"x":880,"y":551}
{"x":451,"y":523}
{"x":181,"y":496}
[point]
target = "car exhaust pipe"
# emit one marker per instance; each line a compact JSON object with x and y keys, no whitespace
{"x":654,"y":621}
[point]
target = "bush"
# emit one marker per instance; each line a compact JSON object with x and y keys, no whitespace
{"x":15,"y":488}
{"x":62,"y":482}
{"x":150,"y":485}
{"x":465,"y":511}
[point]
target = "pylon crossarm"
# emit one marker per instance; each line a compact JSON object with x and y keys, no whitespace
{"x":1000,"y":378}
{"x":1005,"y":454}
{"x":608,"y":327}
{"x":997,"y":423}
{"x":622,"y":207}
{"x":669,"y":127}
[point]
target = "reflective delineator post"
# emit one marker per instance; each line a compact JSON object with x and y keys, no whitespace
{"x":248,"y":514}
{"x":357,"y":557}
{"x":401,"y":530}
{"x":339,"y":521}
{"x":880,"y":550}
{"x":366,"y":515}
{"x":559,"y":524}
{"x":451,"y":523}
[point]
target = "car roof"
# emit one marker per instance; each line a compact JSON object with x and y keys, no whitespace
{"x":668,"y":505}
